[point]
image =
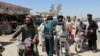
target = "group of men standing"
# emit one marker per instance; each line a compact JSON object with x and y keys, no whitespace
{"x":29,"y":30}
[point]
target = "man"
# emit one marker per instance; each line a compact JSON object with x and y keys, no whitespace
{"x":49,"y":40}
{"x":68,"y":24}
{"x":59,"y":27}
{"x":28,"y":30}
{"x":78,"y":24}
{"x":68,"y":27}
{"x":73,"y":28}
{"x":48,"y":34}
{"x":92,"y":36}
{"x":81,"y":27}
{"x":37,"y":20}
{"x":41,"y":36}
{"x":58,"y":30}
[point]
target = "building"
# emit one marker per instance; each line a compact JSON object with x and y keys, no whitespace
{"x":12,"y":15}
{"x":13,"y":9}
{"x":12,"y":12}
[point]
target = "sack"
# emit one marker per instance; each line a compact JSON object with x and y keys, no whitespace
{"x":28,"y":42}
{"x":21,"y":46}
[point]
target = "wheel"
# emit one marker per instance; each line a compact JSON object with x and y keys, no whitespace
{"x":21,"y":52}
{"x":68,"y":52}
{"x":58,"y":51}
{"x":78,"y":47}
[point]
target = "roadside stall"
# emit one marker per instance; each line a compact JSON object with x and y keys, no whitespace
{"x":11,"y":16}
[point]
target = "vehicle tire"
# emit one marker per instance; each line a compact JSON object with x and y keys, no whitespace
{"x":21,"y":53}
{"x":58,"y":49}
{"x":58,"y":52}
{"x":78,"y":47}
{"x":62,"y":53}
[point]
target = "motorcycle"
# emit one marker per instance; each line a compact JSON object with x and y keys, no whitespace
{"x":24,"y":48}
{"x":64,"y":45}
{"x":81,"y":42}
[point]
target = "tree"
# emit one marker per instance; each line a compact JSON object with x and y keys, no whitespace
{"x":52,"y":8}
{"x":58,"y":8}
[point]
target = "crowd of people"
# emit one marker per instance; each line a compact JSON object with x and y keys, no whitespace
{"x":49,"y":28}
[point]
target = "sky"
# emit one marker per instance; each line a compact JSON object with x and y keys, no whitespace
{"x":79,"y":8}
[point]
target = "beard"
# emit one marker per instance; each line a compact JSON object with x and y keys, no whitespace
{"x":89,"y":19}
{"x":69,"y":20}
{"x":60,"y":20}
{"x":28,"y":24}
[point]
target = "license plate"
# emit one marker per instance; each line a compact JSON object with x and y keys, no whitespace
{"x":63,"y":39}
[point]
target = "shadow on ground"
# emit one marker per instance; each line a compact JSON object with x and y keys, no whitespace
{"x":6,"y":33}
{"x":6,"y":43}
{"x":75,"y":54}
{"x":98,"y":50}
{"x":0,"y":54}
